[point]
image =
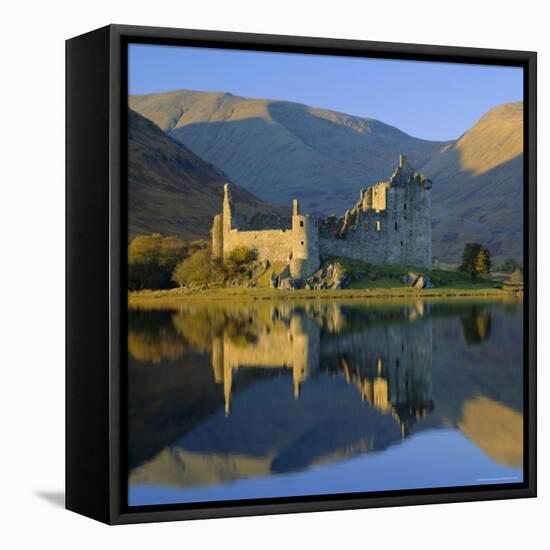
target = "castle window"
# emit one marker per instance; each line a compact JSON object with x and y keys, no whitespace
{"x":401,"y":243}
{"x":302,"y":242}
{"x":405,"y":206}
{"x":301,"y":223}
{"x":378,"y":225}
{"x":395,"y":226}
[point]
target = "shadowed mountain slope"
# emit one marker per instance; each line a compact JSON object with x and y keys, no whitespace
{"x":171,"y":190}
{"x":280,"y":150}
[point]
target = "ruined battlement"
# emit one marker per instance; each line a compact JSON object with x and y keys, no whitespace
{"x":389,"y":224}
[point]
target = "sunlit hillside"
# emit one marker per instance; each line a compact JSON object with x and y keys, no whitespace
{"x":478,"y":187}
{"x":280,"y":150}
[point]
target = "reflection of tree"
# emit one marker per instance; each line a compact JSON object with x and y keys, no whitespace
{"x":476,"y":326}
{"x":155,"y":347}
{"x":199,"y":325}
{"x":151,"y":337}
{"x":195,"y":325}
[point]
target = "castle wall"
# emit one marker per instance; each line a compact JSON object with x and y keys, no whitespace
{"x":274,"y":245}
{"x":400,"y":234}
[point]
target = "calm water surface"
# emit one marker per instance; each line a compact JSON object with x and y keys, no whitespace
{"x":231,"y":401}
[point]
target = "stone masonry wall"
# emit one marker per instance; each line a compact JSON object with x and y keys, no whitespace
{"x":274,"y":245}
{"x":390,"y":224}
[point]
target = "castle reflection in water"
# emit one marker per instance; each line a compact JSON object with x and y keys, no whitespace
{"x":389,"y":366}
{"x":220,"y":393}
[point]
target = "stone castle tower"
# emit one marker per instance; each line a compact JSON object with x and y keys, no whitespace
{"x":390,"y":224}
{"x":305,"y":244}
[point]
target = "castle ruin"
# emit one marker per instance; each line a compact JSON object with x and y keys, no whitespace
{"x":389,"y":225}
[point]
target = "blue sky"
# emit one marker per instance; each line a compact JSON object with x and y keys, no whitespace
{"x":428,"y":100}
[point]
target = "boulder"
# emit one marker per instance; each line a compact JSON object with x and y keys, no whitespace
{"x":340,"y":278}
{"x":273,"y":280}
{"x":410,"y":278}
{"x":423,"y":281}
{"x":340,"y":281}
{"x":287,"y":284}
{"x":285,"y":272}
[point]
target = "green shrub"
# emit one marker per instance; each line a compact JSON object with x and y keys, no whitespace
{"x":239,"y":258}
{"x":197,"y":269}
{"x":152,"y":259}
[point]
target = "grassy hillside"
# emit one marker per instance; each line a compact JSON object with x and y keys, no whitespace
{"x":477,"y":193}
{"x":171,"y":190}
{"x":280,"y":150}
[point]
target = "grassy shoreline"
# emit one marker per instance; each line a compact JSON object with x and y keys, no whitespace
{"x":166,"y":298}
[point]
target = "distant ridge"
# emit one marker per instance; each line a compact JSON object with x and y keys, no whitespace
{"x":281,"y":150}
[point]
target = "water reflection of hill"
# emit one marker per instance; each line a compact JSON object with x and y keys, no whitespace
{"x":277,"y":387}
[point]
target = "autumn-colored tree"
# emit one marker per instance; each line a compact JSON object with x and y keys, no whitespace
{"x":483,"y":262}
{"x":152,"y":259}
{"x":194,"y":270}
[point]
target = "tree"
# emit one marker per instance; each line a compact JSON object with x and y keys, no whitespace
{"x":476,"y":260}
{"x":194,"y":270}
{"x":483,"y":262}
{"x":152,"y":259}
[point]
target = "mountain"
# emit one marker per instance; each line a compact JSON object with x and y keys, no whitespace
{"x":171,"y":190}
{"x":478,"y":187}
{"x":280,"y":150}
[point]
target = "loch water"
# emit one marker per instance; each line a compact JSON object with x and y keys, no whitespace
{"x":280,"y":398}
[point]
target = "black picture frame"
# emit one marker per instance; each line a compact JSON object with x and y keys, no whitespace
{"x":96,"y":296}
